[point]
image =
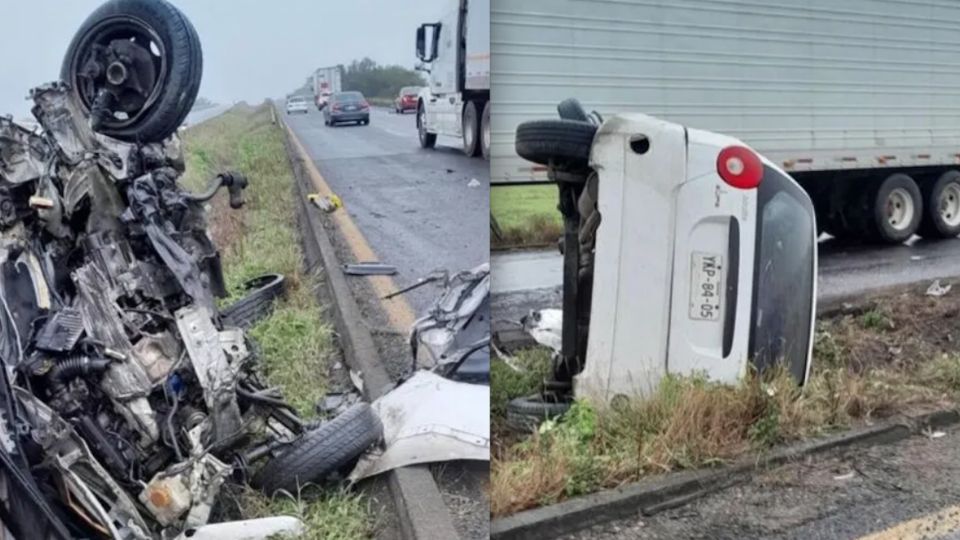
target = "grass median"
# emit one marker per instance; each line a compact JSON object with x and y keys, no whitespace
{"x":901,"y":354}
{"x":296,"y":343}
{"x":527,"y":216}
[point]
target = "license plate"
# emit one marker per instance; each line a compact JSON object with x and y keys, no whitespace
{"x":349,"y":108}
{"x":706,"y":288}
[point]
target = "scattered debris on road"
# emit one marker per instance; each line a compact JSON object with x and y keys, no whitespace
{"x":327,"y":203}
{"x":938,"y":290}
{"x":369,"y":269}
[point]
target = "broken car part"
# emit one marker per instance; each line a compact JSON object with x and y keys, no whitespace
{"x":369,"y":269}
{"x":262,"y":294}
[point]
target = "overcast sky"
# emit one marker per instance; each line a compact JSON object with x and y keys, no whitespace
{"x":252,"y":49}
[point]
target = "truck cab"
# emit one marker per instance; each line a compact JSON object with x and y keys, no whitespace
{"x":455,"y":55}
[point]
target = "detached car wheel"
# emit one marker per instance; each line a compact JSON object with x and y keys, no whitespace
{"x":257,"y":304}
{"x":562,"y":143}
{"x":321,"y":452}
{"x":525,"y":414}
{"x":135,"y":66}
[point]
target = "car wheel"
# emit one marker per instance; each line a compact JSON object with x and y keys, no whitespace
{"x":257,"y":304}
{"x":427,"y":139}
{"x":148,"y":69}
{"x":485,"y":131}
{"x":471,"y":129}
{"x":941,"y":206}
{"x":322,"y":451}
{"x":564,"y":143}
{"x":525,"y":414}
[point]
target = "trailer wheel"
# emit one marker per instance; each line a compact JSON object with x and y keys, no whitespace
{"x":941,"y":207}
{"x":427,"y":139}
{"x":485,"y":131}
{"x":893,"y":210}
{"x":471,"y":129}
{"x":563,"y":143}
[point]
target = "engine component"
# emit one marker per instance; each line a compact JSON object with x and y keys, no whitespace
{"x":167,"y":497}
{"x":61,"y":332}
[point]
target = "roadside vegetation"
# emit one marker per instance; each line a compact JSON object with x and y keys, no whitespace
{"x":295,"y":343}
{"x":868,"y":364}
{"x":378,"y":83}
{"x":527,"y":216}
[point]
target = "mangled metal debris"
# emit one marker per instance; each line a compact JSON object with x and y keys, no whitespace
{"x":127,"y":398}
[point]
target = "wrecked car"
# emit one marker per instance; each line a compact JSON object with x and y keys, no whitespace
{"x":685,"y":252}
{"x":127,"y":396}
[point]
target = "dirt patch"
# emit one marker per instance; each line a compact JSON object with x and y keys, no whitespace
{"x":893,"y":332}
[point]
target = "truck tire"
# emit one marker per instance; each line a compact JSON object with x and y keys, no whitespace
{"x":891,"y":211}
{"x":321,"y":452}
{"x":471,"y":129}
{"x":563,"y":143}
{"x":485,"y":131}
{"x":427,"y":139}
{"x":941,"y":206}
{"x":167,"y":55}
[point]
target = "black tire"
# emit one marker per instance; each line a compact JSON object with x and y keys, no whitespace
{"x":525,"y":414}
{"x":322,"y":451}
{"x":937,"y":193}
{"x":427,"y":140}
{"x":176,"y":84}
{"x":471,"y":129}
{"x":570,"y":109}
{"x":257,"y":304}
{"x":485,"y":131}
{"x":564,"y":143}
{"x":873,"y":207}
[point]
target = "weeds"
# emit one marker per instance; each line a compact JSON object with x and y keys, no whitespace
{"x":875,"y":320}
{"x":295,"y":343}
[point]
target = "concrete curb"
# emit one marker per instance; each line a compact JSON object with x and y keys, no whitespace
{"x":422,"y":512}
{"x":678,"y":489}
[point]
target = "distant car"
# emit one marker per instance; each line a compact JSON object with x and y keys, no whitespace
{"x":406,"y":100}
{"x":297,"y":104}
{"x":322,"y":100}
{"x":347,"y":107}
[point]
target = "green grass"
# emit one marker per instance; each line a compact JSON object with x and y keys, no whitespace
{"x":296,"y":343}
{"x":527,"y":215}
{"x":507,"y":383}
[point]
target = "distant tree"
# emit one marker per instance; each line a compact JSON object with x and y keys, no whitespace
{"x":203,"y":103}
{"x":374,"y":80}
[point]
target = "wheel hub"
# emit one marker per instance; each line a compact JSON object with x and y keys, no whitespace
{"x":899,"y":209}
{"x":949,"y":205}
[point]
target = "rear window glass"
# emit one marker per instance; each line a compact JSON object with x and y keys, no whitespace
{"x":349,"y":97}
{"x":784,"y":266}
{"x":410,"y":90}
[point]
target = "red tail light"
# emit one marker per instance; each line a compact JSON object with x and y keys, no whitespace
{"x":336,"y":107}
{"x":364,"y":105}
{"x":740,"y":167}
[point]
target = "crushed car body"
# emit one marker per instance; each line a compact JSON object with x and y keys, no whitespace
{"x":127,"y":397}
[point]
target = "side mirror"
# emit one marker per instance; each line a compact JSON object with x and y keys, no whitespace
{"x":422,"y":42}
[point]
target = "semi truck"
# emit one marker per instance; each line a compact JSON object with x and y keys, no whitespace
{"x":858,"y":101}
{"x":455,"y":54}
{"x":326,"y":82}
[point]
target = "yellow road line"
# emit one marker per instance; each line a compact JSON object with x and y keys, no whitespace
{"x":399,"y":313}
{"x":931,"y":526}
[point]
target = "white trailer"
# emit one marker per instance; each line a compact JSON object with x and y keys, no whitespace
{"x":326,"y":82}
{"x":858,"y":100}
{"x":456,"y":56}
